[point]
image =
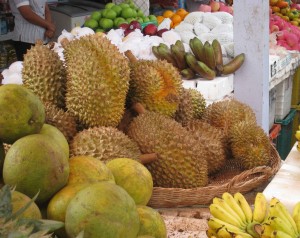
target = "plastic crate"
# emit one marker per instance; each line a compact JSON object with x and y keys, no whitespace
{"x":296,"y":87}
{"x":283,"y":145}
{"x":283,"y":98}
{"x":272,"y":107}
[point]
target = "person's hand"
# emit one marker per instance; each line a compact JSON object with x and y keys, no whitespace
{"x":49,"y":34}
{"x":50,"y":27}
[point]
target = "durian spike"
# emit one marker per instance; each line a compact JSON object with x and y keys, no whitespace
{"x":130,"y":56}
{"x":138,"y":108}
{"x":39,"y":42}
{"x":148,"y":158}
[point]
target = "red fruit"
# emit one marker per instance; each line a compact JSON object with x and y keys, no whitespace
{"x":161,"y":31}
{"x":124,"y":26}
{"x":135,"y":25}
{"x":127,"y":31}
{"x":150,"y":30}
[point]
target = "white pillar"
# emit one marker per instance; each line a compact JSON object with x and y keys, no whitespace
{"x":251,"y":36}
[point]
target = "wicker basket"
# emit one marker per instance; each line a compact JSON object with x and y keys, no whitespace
{"x":232,"y":179}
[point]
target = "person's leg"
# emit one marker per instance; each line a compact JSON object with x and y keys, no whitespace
{"x":21,"y":49}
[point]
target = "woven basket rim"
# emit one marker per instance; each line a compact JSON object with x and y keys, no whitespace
{"x":243,"y":182}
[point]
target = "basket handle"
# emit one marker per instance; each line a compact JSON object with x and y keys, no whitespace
{"x":241,"y":178}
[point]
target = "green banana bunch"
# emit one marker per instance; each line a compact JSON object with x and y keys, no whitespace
{"x":233,"y":215}
{"x":210,"y":54}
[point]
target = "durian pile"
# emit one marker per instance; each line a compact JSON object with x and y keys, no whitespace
{"x":109,"y":105}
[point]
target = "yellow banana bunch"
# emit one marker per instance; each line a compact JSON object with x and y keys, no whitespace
{"x":232,"y":215}
{"x":297,"y":135}
{"x":280,"y":222}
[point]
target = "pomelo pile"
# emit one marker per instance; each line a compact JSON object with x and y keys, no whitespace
{"x":92,"y":198}
{"x":115,"y":14}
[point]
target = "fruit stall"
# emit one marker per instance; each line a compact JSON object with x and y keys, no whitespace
{"x":155,"y":120}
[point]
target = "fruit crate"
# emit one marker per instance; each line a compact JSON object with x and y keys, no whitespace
{"x":283,"y":145}
{"x":283,"y":98}
{"x":274,"y":133}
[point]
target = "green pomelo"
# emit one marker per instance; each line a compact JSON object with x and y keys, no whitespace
{"x":134,"y":177}
{"x":96,"y":15}
{"x":91,"y":23}
{"x":20,"y":200}
{"x":102,"y":210}
{"x":109,"y":5}
{"x":117,"y":9}
{"x":151,"y":222}
{"x":110,"y":14}
{"x":57,"y":136}
{"x":22,"y":112}
{"x":87,"y":169}
{"x":36,"y":163}
{"x":57,"y":206}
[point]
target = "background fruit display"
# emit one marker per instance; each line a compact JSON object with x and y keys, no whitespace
{"x":113,"y":15}
{"x":284,"y":24}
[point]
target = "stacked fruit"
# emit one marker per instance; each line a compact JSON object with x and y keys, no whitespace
{"x":175,"y":16}
{"x":286,"y":11}
{"x":115,"y":14}
{"x":232,"y":216}
{"x":206,"y":60}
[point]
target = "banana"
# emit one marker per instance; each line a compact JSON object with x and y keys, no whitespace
{"x":267,"y":230}
{"x":279,"y":210}
{"x":229,"y":199}
{"x":188,"y":73}
{"x":209,"y":55}
{"x":218,"y":53}
{"x":196,"y":46}
{"x":179,"y":44}
{"x":279,"y":224}
{"x":233,"y":65}
{"x":280,"y":234}
{"x":211,"y":233}
{"x":199,"y":67}
{"x":166,"y":54}
{"x":215,"y":224}
{"x":218,"y":212}
{"x":254,"y":229}
{"x":204,"y":71}
{"x":241,"y":200}
{"x":178,"y":55}
{"x":155,"y":52}
{"x":296,"y":215}
{"x":190,"y":60}
{"x":223,"y":233}
{"x":228,"y":208}
{"x":260,"y":208}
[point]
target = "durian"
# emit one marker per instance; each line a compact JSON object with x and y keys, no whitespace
{"x":192,"y":105}
{"x":179,"y":162}
{"x":212,"y":141}
{"x":224,"y":114}
{"x":249,"y":144}
{"x":104,"y":143}
{"x":98,"y":80}
{"x":44,"y":73}
{"x":156,"y":84}
{"x":61,"y":119}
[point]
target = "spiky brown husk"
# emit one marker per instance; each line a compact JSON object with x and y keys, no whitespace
{"x":224,"y":114}
{"x":212,"y":141}
{"x":104,"y":143}
{"x":191,"y":106}
{"x":156,"y":84}
{"x":44,"y":73}
{"x":98,"y":80}
{"x":179,"y":162}
{"x":249,"y":144}
{"x":61,"y":119}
